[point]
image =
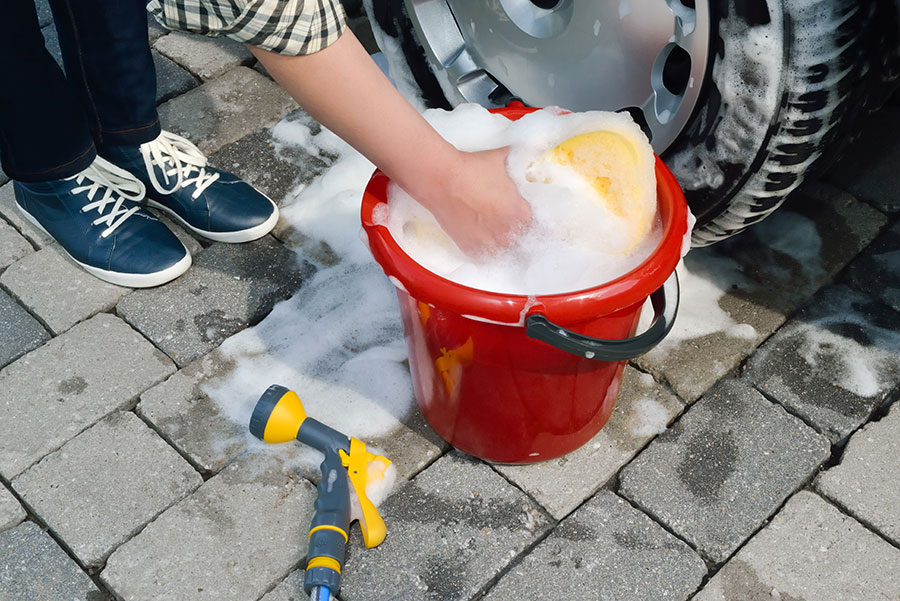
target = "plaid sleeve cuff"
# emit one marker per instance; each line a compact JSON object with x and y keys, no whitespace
{"x":283,"y":26}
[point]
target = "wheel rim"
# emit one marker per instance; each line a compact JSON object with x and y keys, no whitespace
{"x":648,"y":57}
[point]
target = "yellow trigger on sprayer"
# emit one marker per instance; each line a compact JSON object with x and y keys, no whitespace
{"x":279,"y":416}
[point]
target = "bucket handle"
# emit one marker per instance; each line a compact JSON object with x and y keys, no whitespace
{"x":665,"y":307}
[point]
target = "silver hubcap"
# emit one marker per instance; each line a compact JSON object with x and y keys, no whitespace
{"x":644,"y":56}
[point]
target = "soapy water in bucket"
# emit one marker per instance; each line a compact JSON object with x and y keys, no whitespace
{"x":589,"y":179}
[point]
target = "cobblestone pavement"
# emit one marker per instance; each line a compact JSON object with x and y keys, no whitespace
{"x":772,"y":471}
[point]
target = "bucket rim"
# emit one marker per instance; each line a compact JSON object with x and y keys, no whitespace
{"x":630,"y":288}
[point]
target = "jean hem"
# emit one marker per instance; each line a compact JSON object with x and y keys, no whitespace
{"x":134,"y":136}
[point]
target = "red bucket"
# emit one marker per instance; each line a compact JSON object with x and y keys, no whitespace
{"x":516,"y":380}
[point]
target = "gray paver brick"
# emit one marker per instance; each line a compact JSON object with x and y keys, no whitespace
{"x":57,"y":290}
{"x":11,"y":512}
{"x":834,"y":363}
{"x":275,"y":168}
{"x":12,"y":246}
{"x":867,"y":480}
{"x":724,"y":315}
{"x":226,"y":109}
{"x":45,"y":16}
{"x":449,"y":532}
{"x":11,"y":213}
{"x":560,"y":485}
{"x":19,"y":331}
{"x":228,"y":287}
{"x":171,"y":80}
{"x":805,"y":243}
{"x":809,"y":552}
{"x":183,"y":411}
{"x":34,"y":567}
{"x":737,"y":293}
{"x":605,"y":550}
{"x":155,"y":30}
{"x":234,"y":538}
{"x":205,"y":57}
{"x":715,"y":475}
{"x":877,"y":271}
{"x":868,"y":168}
{"x":105,"y":484}
{"x":51,"y":394}
{"x":290,"y":589}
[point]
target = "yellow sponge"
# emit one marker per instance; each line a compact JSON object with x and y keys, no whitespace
{"x":620,"y":171}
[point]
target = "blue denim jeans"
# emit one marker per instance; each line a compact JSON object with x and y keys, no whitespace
{"x":51,"y":123}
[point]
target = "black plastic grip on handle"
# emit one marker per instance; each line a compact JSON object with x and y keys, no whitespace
{"x":665,"y":307}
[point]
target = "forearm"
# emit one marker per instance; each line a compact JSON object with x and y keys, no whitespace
{"x":343,"y":88}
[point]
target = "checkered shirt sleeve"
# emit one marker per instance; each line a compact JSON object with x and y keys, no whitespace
{"x":282,"y":26}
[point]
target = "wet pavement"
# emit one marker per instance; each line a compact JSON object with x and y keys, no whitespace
{"x":752,"y":456}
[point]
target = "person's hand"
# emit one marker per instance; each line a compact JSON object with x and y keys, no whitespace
{"x":479,"y":206}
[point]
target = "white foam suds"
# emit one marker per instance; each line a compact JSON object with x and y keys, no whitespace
{"x":866,"y":370}
{"x":704,"y":279}
{"x":649,"y":418}
{"x":576,"y":240}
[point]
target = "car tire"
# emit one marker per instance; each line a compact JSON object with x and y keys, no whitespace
{"x":784,"y":80}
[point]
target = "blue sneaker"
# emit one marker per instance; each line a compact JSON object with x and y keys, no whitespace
{"x":97,"y":220}
{"x":215,"y":204}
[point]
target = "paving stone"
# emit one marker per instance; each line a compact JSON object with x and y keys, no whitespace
{"x":738,"y":292}
{"x":171,"y":80}
{"x":867,"y":480}
{"x":19,"y":331}
{"x":226,"y":109}
{"x":45,"y":15}
{"x":182,"y":409}
{"x":834,"y":363}
{"x":450,"y":531}
{"x":809,"y":552}
{"x":53,"y":393}
{"x":868,"y":168}
{"x":723,"y":316}
{"x":877,"y":271}
{"x":560,"y":485}
{"x":234,"y":538}
{"x":605,"y":550}
{"x":58,"y":291}
{"x":155,"y":30}
{"x":290,"y":589}
{"x":11,"y":213}
{"x":12,"y":246}
{"x":51,"y":41}
{"x":228,"y":287}
{"x":105,"y":484}
{"x":803,"y":245}
{"x":11,"y":512}
{"x":34,"y":567}
{"x":731,"y":460}
{"x":273,"y":165}
{"x":3,"y":178}
{"x":205,"y":57}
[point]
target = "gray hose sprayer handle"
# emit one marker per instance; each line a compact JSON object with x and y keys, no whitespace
{"x":665,"y":307}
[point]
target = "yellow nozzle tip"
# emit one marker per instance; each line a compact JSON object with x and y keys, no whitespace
{"x":278,"y":415}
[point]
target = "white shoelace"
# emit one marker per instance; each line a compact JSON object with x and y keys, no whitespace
{"x":117,"y":185}
{"x":176,"y":157}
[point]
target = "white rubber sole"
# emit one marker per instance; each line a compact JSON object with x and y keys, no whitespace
{"x":130,"y":280}
{"x":248,"y":235}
